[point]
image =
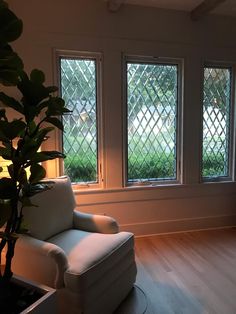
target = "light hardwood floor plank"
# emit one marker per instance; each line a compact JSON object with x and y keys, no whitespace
{"x":189,"y":273}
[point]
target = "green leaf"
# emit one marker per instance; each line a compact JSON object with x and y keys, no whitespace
{"x":10,"y":26}
{"x":11,"y":102}
{"x":32,"y":91}
{"x":42,"y":105}
{"x":32,"y":127}
{"x":8,"y":77}
{"x":56,"y":107}
{"x":3,"y":137}
{"x":41,"y":135}
{"x":17,"y":127}
{"x":10,"y":62}
{"x":7,"y":188}
{"x":31,"y":144}
{"x":44,"y":131}
{"x":9,"y":59}
{"x":37,"y":76}
{"x":32,"y":189}
{"x":5,"y":153}
{"x":56,"y":122}
{"x":22,"y":176}
{"x":37,"y":173}
{"x":30,"y":113}
{"x":28,"y":149}
{"x":46,"y":155}
{"x":12,"y":129}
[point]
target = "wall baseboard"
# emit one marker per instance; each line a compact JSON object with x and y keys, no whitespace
{"x":179,"y":225}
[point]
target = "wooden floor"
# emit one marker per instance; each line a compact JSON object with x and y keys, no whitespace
{"x":189,"y":273}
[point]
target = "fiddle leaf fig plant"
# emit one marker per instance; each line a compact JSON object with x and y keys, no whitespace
{"x":38,"y":112}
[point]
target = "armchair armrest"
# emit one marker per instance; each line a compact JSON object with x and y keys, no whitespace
{"x":48,"y":262}
{"x":95,"y":223}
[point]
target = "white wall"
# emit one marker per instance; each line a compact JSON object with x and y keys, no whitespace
{"x":88,"y":26}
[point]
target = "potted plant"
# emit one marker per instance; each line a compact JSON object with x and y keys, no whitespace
{"x":38,"y":112}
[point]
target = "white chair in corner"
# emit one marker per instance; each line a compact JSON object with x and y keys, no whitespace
{"x":83,"y":256}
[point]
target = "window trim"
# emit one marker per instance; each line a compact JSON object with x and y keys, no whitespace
{"x":231,"y":150}
{"x":98,"y":57}
{"x":126,"y":58}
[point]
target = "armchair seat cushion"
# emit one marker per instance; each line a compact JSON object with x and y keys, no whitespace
{"x":91,"y":256}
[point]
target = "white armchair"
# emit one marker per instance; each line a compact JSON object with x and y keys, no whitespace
{"x":83,"y":256}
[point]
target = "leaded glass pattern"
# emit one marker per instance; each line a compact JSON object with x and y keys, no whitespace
{"x":78,"y":88}
{"x":216,"y":122}
{"x":152,"y":97}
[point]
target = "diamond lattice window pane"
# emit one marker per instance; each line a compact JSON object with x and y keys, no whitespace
{"x":78,"y":88}
{"x":151,"y":121}
{"x":216,"y":122}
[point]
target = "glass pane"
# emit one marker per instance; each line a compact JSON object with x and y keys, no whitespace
{"x":216,"y":122}
{"x":151,"y":121}
{"x":78,"y":88}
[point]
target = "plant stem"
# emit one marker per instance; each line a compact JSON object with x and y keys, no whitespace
{"x":10,"y":253}
{"x":2,"y":245}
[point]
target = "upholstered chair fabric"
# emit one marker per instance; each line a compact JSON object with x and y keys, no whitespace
{"x":54,"y":211}
{"x":94,"y":223}
{"x":83,"y":256}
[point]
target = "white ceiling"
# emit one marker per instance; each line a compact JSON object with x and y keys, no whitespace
{"x":226,"y":8}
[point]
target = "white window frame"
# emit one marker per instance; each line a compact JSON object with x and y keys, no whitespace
{"x":179,"y":119}
{"x":231,"y":152}
{"x":98,"y":57}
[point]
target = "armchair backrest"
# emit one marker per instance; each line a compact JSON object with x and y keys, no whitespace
{"x":54,"y":213}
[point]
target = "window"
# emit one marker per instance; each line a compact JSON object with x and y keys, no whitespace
{"x":216,"y":139}
{"x":79,"y":79}
{"x":152,"y":97}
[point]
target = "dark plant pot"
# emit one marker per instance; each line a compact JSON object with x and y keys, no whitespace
{"x":27,"y":297}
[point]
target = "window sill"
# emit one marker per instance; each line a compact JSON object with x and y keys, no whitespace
{"x":152,"y":187}
{"x":94,"y":197}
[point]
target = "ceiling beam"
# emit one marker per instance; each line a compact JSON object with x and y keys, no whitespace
{"x":205,"y":8}
{"x":114,"y":5}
